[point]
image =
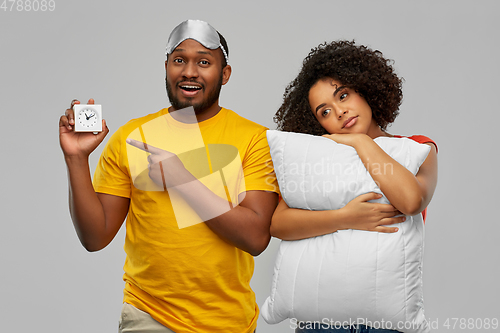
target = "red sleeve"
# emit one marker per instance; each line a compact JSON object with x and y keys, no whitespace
{"x":421,"y":139}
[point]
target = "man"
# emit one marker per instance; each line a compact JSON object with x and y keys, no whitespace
{"x":178,"y":278}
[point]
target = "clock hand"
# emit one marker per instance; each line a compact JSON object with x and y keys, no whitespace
{"x":87,"y":116}
{"x":91,"y":116}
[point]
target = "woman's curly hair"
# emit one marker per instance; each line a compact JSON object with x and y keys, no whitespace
{"x":355,"y":66}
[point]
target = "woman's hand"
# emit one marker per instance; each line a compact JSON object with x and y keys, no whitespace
{"x":351,"y":139}
{"x":293,"y":223}
{"x":361,"y":214}
{"x":409,"y":193}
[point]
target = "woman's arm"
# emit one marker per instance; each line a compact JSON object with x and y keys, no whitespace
{"x":408,"y":193}
{"x":292,"y":224}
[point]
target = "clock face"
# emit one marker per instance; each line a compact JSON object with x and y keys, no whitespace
{"x":88,"y":118}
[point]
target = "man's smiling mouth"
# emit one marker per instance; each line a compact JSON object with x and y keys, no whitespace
{"x":190,"y":87}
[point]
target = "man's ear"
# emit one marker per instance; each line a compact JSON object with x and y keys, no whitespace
{"x":226,"y":74}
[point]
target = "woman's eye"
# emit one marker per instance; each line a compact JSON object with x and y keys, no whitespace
{"x":325,"y":112}
{"x":343,"y":95}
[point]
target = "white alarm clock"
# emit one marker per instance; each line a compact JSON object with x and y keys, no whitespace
{"x":88,"y":118}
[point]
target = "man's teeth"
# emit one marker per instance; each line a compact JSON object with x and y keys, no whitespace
{"x":191,"y":87}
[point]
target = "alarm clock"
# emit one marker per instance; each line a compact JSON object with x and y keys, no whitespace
{"x":88,"y":118}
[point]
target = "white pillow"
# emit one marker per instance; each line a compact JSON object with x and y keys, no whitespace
{"x":351,"y":275}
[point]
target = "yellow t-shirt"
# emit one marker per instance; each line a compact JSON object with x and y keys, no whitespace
{"x":185,"y":277}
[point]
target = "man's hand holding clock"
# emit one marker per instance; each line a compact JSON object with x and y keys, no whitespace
{"x":97,"y":217}
{"x":80,"y":144}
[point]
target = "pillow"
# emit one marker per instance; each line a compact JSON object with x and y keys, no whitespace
{"x":349,"y":276}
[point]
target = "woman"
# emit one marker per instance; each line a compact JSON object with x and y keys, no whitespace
{"x":350,"y":94}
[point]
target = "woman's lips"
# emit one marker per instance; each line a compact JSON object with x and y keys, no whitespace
{"x":350,"y":122}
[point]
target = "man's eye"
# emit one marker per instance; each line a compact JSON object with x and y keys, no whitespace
{"x":204,"y":62}
{"x":325,"y":112}
{"x":178,"y":61}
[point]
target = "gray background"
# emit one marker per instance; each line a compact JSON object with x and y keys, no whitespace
{"x":113,"y":51}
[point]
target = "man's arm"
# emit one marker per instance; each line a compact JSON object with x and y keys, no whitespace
{"x":96,"y":217}
{"x":246,"y":226}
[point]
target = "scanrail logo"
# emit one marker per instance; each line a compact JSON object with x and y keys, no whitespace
{"x":452,"y":324}
{"x":168,"y":154}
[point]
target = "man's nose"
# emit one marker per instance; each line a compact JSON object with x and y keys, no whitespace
{"x":190,"y":70}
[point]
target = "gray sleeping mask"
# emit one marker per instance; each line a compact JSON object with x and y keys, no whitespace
{"x":200,"y":31}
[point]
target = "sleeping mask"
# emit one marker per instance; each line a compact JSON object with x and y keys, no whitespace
{"x":200,"y":31}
